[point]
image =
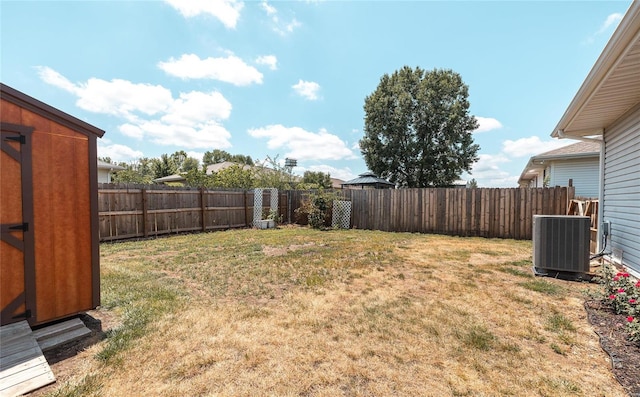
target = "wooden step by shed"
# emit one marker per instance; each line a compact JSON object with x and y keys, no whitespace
{"x":23,"y":367}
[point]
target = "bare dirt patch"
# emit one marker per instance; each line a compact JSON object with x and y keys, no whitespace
{"x":280,"y":251}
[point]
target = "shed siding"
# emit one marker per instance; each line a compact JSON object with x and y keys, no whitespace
{"x":622,"y":187}
{"x":61,"y":215}
{"x":61,"y":218}
{"x":584,"y":172}
{"x":62,"y":272}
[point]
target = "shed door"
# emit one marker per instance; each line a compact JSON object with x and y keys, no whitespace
{"x":17,"y":267}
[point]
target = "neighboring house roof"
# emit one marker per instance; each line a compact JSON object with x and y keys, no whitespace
{"x":336,"y":183}
{"x":108,"y":166}
{"x":171,"y":178}
{"x":612,"y":87}
{"x":539,"y":162}
{"x":368,"y":179}
{"x":225,"y":164}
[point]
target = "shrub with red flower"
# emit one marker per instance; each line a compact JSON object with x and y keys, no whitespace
{"x":622,"y":294}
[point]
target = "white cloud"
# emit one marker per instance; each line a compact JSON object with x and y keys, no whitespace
{"x":487,"y":124}
{"x":307,"y":89}
{"x":611,"y":20}
{"x":196,"y":155}
{"x":269,"y":9}
{"x":488,"y":172}
{"x":118,"y":152}
{"x":193,"y":120}
{"x":489,"y":163}
{"x":54,"y":78}
{"x":227,"y":11}
{"x":531,"y":146}
{"x":230,"y":69}
{"x":491,"y":169}
{"x":116,"y":97}
{"x":197,"y":107}
{"x":188,"y":136}
{"x":269,"y":60}
{"x":281,"y":27}
{"x":341,"y":173}
{"x":132,"y":131}
{"x":289,"y":27}
{"x":302,"y":144}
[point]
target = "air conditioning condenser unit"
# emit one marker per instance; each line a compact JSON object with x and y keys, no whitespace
{"x":561,"y":243}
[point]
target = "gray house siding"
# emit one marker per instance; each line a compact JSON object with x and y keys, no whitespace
{"x":585,"y":174}
{"x":622,"y":188}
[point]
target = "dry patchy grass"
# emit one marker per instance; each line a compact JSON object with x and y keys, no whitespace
{"x":296,"y":312}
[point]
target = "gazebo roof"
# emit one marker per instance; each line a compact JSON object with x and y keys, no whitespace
{"x":368,"y":178}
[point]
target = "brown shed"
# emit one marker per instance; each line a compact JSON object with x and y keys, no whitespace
{"x":49,"y":250}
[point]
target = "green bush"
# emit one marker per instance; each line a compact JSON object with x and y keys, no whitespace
{"x":317,"y":207}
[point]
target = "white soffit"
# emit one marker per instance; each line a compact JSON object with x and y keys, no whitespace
{"x":612,"y":87}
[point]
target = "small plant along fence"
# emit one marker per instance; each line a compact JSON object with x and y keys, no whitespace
{"x":127,"y":211}
{"x":143,"y":211}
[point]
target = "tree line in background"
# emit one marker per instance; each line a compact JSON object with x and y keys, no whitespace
{"x":417,"y":133}
{"x":243,"y":174}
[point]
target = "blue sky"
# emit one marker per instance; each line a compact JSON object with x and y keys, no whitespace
{"x":289,"y":78}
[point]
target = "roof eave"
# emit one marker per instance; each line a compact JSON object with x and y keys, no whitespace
{"x":25,"y":101}
{"x":622,"y":38}
{"x":567,"y":156}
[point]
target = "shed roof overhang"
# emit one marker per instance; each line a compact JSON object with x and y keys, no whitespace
{"x":25,"y":101}
{"x":612,"y":87}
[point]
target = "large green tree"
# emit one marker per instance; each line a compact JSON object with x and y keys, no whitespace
{"x":235,"y":176}
{"x":139,"y":171}
{"x":218,"y":156}
{"x":417,"y":128}
{"x":317,"y":179}
{"x":271,"y":173}
{"x":163,"y":166}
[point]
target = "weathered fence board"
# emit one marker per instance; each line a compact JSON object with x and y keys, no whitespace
{"x":488,"y":212}
{"x":504,"y":213}
{"x":143,"y":211}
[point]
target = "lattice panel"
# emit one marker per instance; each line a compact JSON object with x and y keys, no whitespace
{"x":257,"y":205}
{"x":274,"y":199}
{"x":341,"y":218}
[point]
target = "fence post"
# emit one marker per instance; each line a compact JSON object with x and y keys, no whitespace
{"x":571,"y":194}
{"x":203,"y":209}
{"x":246,"y":219}
{"x":289,"y":206}
{"x":144,"y":212}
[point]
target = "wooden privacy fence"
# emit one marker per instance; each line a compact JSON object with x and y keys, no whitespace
{"x":143,"y":211}
{"x":502,"y":213}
